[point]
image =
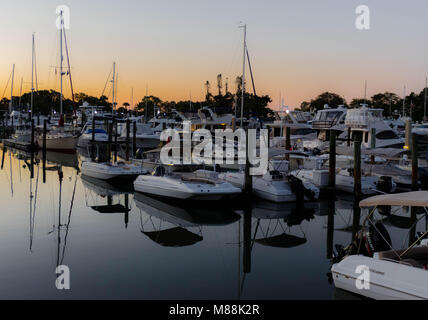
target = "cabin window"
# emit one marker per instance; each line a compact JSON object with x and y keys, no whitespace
{"x":386,"y":135}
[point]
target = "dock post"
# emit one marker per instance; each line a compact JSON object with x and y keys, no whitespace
{"x":287,"y":141}
{"x":332,"y":160}
{"x":134,"y":139}
{"x":349,"y":137}
{"x":357,"y":164}
{"x":115,"y":141}
{"x":248,"y":184}
{"x":415,"y":164}
{"x":110,"y":133}
{"x":45,"y":125}
{"x":408,"y":135}
{"x":233,"y":123}
{"x":93,"y":140}
{"x":373,"y":143}
{"x":127,"y":139}
{"x":330,"y":226}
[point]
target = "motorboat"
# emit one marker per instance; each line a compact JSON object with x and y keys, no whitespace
{"x":184,"y":185}
{"x":328,"y":119}
{"x":146,"y":137}
{"x":86,"y":137}
{"x":274,"y":186}
{"x":371,"y":267}
{"x":370,"y":185}
{"x":112,"y":171}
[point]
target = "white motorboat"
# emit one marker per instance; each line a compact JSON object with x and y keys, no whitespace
{"x":86,"y":137}
{"x":146,"y":137}
{"x":272,"y":186}
{"x":183,"y":186}
{"x":109,"y":171}
{"x":372,"y":268}
{"x":370,"y":185}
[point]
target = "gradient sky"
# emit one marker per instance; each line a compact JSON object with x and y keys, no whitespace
{"x":300,"y":48}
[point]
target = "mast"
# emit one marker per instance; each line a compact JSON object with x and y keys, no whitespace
{"x":32,"y":80}
{"x":114,"y":79}
{"x":61,"y":61}
{"x":20,"y":92}
{"x":243,"y":74}
{"x":11,"y":90}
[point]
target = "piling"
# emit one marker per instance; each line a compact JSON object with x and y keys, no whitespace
{"x":134,"y":139}
{"x":415,"y":168}
{"x":349,"y":137}
{"x":127,"y":139}
{"x":45,"y":124}
{"x":332,"y":160}
{"x":233,"y":123}
{"x":408,"y":133}
{"x":93,"y":140}
{"x":110,"y":133}
{"x":373,"y":143}
{"x":287,"y":141}
{"x":115,"y":142}
{"x":357,"y":164}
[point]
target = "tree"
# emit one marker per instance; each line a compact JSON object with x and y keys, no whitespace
{"x":150,"y":102}
{"x":357,"y":103}
{"x":333,"y":100}
{"x":387,"y":101}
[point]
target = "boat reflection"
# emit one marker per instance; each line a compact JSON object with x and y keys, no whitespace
{"x":178,"y":218}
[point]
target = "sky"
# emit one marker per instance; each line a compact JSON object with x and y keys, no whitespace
{"x":298,"y":49}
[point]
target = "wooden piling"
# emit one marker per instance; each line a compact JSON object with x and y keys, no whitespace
{"x":332,"y":160}
{"x":45,"y":125}
{"x":134,"y":139}
{"x":415,"y":163}
{"x":357,"y":164}
{"x":110,"y":133}
{"x":349,"y":137}
{"x":93,"y":140}
{"x":127,"y":139}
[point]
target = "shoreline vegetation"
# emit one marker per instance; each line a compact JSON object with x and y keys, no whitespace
{"x":46,"y":101}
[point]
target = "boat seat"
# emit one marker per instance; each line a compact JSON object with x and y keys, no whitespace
{"x":417,"y":257}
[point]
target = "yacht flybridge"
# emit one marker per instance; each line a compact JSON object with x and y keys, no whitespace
{"x":390,"y":274}
{"x":376,"y":132}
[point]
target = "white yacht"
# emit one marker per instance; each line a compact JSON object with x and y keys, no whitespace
{"x":110,"y":171}
{"x":327,"y":119}
{"x":183,"y":186}
{"x":389,"y":274}
{"x":365,"y":120}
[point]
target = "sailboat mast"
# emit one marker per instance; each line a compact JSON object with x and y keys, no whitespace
{"x":404,"y":102}
{"x":61,"y":60}
{"x":32,"y":79}
{"x":11,"y":90}
{"x":20,"y":92}
{"x":114,"y":79}
{"x":243,"y":75}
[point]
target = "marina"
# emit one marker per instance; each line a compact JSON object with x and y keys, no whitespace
{"x":127,"y":175}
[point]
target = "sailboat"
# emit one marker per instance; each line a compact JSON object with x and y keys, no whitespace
{"x":58,"y":139}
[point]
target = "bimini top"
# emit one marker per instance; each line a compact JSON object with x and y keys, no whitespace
{"x":410,"y":199}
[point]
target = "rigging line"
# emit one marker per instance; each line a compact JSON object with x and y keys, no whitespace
{"x":255,"y":233}
{"x":108,"y":78}
{"x":251,"y":71}
{"x":7,"y":85}
{"x":69,"y":220}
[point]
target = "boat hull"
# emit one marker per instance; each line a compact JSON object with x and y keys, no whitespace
{"x":64,"y":144}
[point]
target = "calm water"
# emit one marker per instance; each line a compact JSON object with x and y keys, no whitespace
{"x":121,"y":246}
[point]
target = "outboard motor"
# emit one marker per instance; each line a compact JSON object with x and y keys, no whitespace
{"x":385,"y":184}
{"x":299,"y":189}
{"x":377,"y":239}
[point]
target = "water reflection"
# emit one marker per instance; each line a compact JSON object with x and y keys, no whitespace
{"x":251,"y":250}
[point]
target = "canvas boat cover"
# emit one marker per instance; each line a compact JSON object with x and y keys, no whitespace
{"x":410,"y":199}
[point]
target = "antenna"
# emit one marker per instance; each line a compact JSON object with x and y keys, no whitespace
{"x":425,"y":101}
